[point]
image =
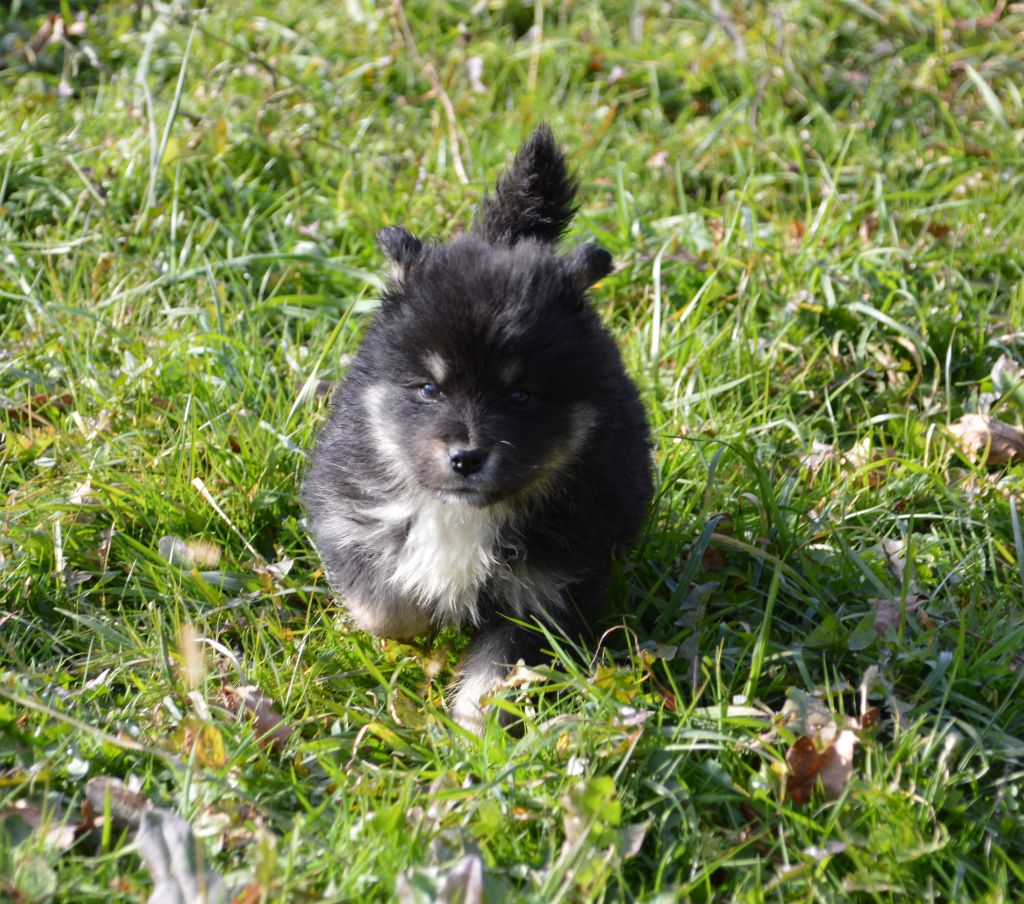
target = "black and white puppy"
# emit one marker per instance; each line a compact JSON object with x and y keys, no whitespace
{"x":486,"y":453}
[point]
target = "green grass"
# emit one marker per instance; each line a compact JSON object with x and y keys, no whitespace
{"x":816,"y":214}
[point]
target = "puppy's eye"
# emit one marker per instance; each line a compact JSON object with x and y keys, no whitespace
{"x":429,"y":392}
{"x":519,"y":397}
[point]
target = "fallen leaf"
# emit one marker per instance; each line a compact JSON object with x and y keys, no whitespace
{"x":859,"y":457}
{"x":30,"y":410}
{"x":125,"y":806}
{"x":51,"y":29}
{"x":806,"y":714}
{"x":270,"y":728}
{"x":82,"y":494}
{"x":836,"y":764}
{"x":1007,"y":375}
{"x":803,"y":761}
{"x":174,"y":858}
{"x":622,"y":686}
{"x":281,"y":567}
{"x":522,"y":676}
{"x":832,"y":765}
{"x":50,"y":822}
{"x":203,"y":740}
{"x":988,"y":440}
{"x":631,"y":838}
{"x":819,"y":454}
{"x":870,"y":718}
{"x":713,"y":559}
{"x":895,"y":552}
{"x":189,"y":553}
{"x":172,"y":854}
{"x":204,"y":553}
{"x":463,"y":884}
{"x":888,"y":611}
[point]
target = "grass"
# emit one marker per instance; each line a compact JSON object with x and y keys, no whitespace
{"x":815,"y":213}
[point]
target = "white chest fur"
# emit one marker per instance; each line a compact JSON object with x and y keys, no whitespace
{"x":449,"y":551}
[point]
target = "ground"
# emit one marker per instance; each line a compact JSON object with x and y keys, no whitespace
{"x":810,"y":687}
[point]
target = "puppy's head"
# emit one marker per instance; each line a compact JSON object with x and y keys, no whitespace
{"x":487,"y":369}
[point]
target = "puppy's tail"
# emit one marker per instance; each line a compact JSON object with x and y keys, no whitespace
{"x":534,"y":200}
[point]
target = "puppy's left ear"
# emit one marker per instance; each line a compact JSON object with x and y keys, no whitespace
{"x":400,"y":247}
{"x":585,"y":265}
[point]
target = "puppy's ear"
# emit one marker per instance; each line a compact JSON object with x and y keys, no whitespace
{"x":534,"y":200}
{"x":400,"y":247}
{"x":585,"y":265}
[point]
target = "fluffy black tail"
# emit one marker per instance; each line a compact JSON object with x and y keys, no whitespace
{"x":534,"y":200}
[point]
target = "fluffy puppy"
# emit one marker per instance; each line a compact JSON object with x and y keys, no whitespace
{"x":486,"y":453}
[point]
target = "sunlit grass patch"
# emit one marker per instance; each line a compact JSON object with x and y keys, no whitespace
{"x":815,"y":217}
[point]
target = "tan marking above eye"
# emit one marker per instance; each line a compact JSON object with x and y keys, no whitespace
{"x":436,"y":366}
{"x":511,"y":374}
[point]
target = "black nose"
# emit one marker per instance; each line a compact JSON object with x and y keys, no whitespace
{"x":467,"y":461}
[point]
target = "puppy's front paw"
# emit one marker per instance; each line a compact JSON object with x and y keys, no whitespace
{"x":396,"y":619}
{"x":468,"y":704}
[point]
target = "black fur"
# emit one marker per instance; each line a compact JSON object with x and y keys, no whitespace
{"x":535,"y":199}
{"x":484,"y":351}
{"x":399,"y":245}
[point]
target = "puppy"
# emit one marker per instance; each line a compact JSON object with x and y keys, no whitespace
{"x":486,"y":453}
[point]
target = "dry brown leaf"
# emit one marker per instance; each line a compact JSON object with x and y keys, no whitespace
{"x":464,"y":883}
{"x":52,"y":822}
{"x":836,"y":764}
{"x":992,"y":442}
{"x":174,"y":858}
{"x":270,"y":728}
{"x":31,"y":411}
{"x":819,"y":454}
{"x":833,"y":765}
{"x":888,"y":610}
{"x":862,"y":454}
{"x":1007,"y":374}
{"x":803,"y":761}
{"x":166,"y":843}
{"x":522,"y":676}
{"x":51,"y":30}
{"x":895,"y":552}
{"x":126,"y":806}
{"x":870,"y":718}
{"x":189,"y":553}
{"x":713,"y":559}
